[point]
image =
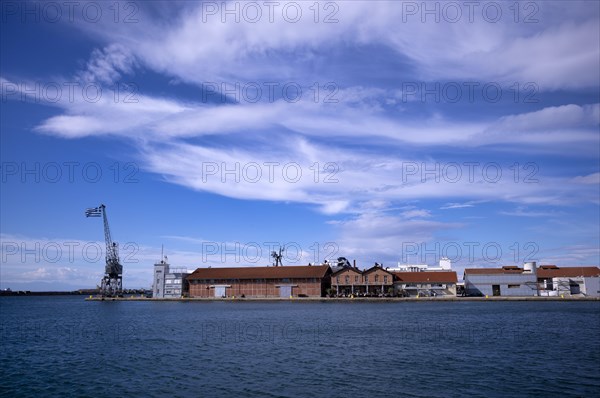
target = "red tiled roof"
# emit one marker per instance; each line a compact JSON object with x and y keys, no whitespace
{"x":548,"y":267}
{"x":567,"y":272}
{"x":339,"y":271}
{"x":493,"y":271}
{"x":426,"y":277}
{"x":297,"y":271}
{"x":544,"y":271}
{"x":374,"y":268}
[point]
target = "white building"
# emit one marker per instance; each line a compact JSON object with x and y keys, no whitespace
{"x":569,"y":281}
{"x":545,"y":280}
{"x":505,"y":281}
{"x":169,"y":282}
{"x":444,"y":265}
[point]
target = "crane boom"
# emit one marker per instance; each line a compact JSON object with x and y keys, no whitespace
{"x":112,"y":282}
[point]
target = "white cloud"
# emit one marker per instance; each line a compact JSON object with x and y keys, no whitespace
{"x":592,"y":179}
{"x":468,"y":204}
{"x":521,"y":211}
{"x":71,"y":263}
{"x":572,"y":255}
{"x":175,"y":138}
{"x":416,"y":213}
{"x":108,"y":65}
{"x":363,"y":181}
{"x":559,"y":51}
{"x":380,"y":237}
{"x":565,"y":124}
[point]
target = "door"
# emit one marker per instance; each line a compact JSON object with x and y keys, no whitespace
{"x":285,"y":291}
{"x":574,"y":288}
{"x":496,"y":290}
{"x":219,"y":291}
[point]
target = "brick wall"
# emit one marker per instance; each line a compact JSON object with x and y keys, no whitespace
{"x":256,"y":288}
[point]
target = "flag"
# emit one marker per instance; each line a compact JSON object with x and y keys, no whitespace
{"x":93,"y":212}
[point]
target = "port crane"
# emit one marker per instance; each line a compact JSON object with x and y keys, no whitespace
{"x":112,"y":282}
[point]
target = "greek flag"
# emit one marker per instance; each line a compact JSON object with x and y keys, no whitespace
{"x":93,"y":212}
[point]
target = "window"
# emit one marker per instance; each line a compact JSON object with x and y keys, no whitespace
{"x":347,"y":279}
{"x":385,"y":279}
{"x":366,"y":278}
{"x":337,"y":280}
{"x":376,"y":278}
{"x":356,"y":279}
{"x":514,"y":286}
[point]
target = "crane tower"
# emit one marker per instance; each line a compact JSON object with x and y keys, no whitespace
{"x":112,"y":282}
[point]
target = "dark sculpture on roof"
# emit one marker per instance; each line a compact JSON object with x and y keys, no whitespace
{"x":277,"y":257}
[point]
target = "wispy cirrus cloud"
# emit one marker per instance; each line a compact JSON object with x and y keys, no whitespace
{"x":369,"y":133}
{"x":464,"y":205}
{"x":108,"y":65}
{"x":590,"y":179}
{"x":524,"y":212}
{"x":506,"y":50}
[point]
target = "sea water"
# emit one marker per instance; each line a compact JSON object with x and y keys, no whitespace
{"x":65,"y":346}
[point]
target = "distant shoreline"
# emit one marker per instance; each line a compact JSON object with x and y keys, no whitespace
{"x":25,"y":293}
{"x":344,"y":299}
{"x":136,"y":297}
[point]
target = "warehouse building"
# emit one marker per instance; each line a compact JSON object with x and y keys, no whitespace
{"x":545,"y":280}
{"x":569,"y":281}
{"x":506,"y":281}
{"x":350,"y":281}
{"x":425,"y":283}
{"x":378,"y":281}
{"x":266,"y":282}
{"x":347,"y":281}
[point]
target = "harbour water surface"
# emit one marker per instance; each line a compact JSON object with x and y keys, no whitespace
{"x":65,"y":346}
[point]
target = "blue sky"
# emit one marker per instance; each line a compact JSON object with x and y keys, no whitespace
{"x":380,"y":131}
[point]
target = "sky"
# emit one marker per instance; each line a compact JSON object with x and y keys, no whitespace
{"x":395,"y":132}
